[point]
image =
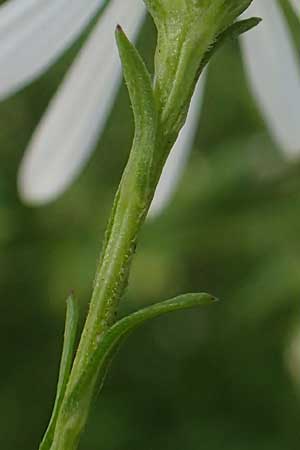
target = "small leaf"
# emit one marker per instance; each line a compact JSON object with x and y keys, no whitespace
{"x":143,"y":103}
{"x":141,"y":95}
{"x":125,"y":326}
{"x":134,"y":194}
{"x":113,"y":338}
{"x":233,"y":32}
{"x":71,"y":326}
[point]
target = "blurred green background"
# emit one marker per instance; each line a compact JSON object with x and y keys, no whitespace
{"x":222,"y":378}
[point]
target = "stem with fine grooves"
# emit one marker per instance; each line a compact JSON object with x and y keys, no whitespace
{"x":158,"y":120}
{"x":132,"y":202}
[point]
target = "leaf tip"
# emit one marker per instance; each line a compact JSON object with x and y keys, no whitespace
{"x":255,"y":21}
{"x":71,"y":297}
{"x":121,"y":38}
{"x":72,"y":305}
{"x":207,"y":298}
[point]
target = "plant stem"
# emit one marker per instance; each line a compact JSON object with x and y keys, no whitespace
{"x":111,"y":280}
{"x":159,"y":113}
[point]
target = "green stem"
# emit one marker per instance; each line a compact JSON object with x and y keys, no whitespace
{"x":110,"y":283}
{"x":131,"y":205}
{"x":159,"y":114}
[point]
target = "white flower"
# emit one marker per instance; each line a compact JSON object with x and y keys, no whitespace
{"x":33,"y":34}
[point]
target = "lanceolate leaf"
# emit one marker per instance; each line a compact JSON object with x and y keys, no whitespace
{"x":110,"y":343}
{"x":134,"y":194}
{"x":125,"y":326}
{"x":71,"y":326}
{"x":140,"y":90}
{"x":234,"y":31}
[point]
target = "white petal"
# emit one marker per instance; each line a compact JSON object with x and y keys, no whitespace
{"x":33,"y":33}
{"x":177,"y":159}
{"x":273,"y":68}
{"x":69,"y":130}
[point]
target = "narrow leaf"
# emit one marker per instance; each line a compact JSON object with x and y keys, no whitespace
{"x":139,"y":86}
{"x":134,"y":193}
{"x":71,"y":326}
{"x":233,"y":32}
{"x":140,"y":90}
{"x":125,"y":326}
{"x":112,"y":340}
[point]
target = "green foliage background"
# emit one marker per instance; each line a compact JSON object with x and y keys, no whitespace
{"x":213,"y":379}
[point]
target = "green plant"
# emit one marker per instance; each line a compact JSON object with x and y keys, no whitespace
{"x":189,"y":31}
